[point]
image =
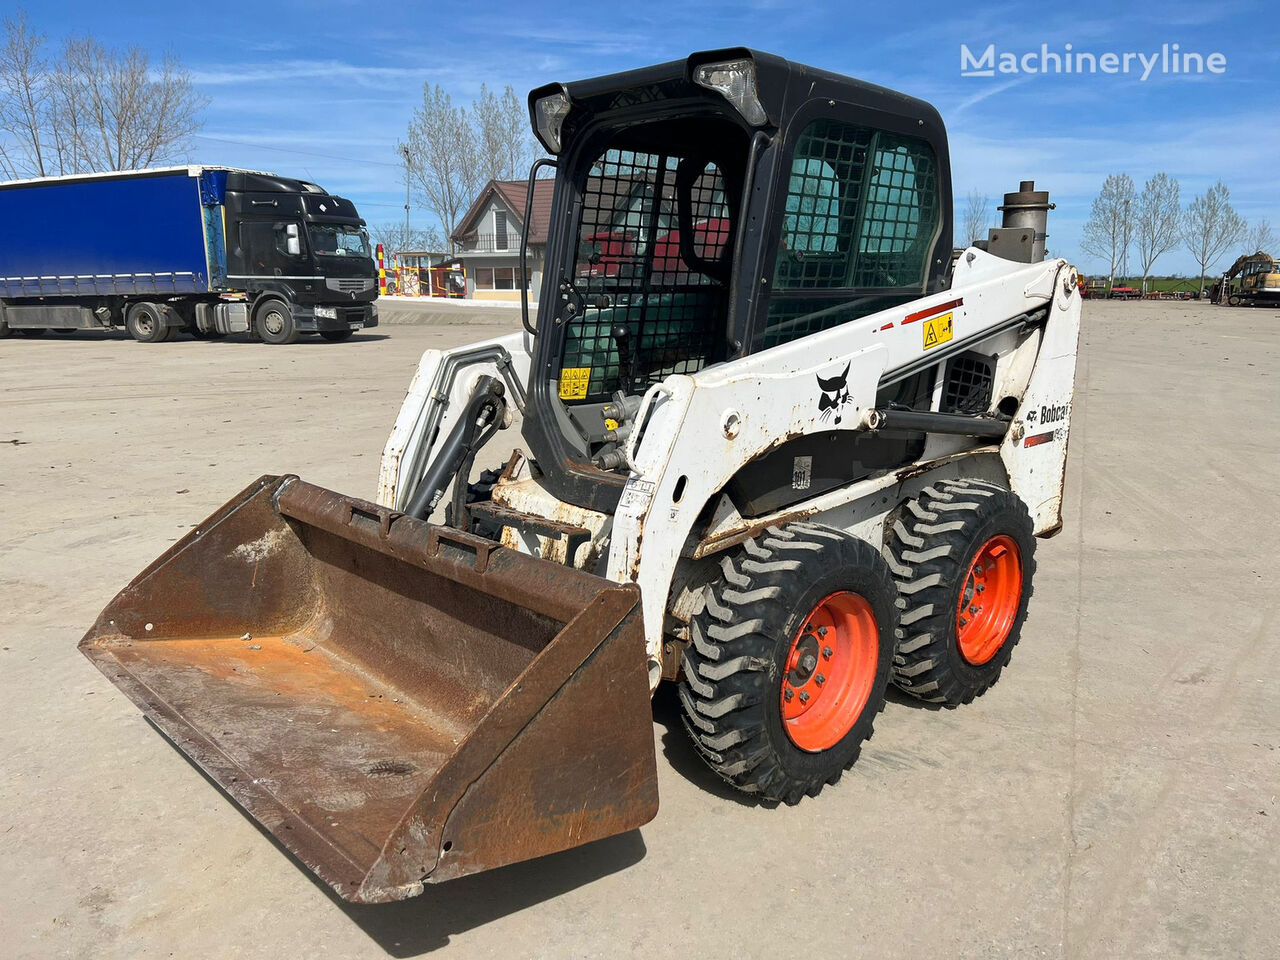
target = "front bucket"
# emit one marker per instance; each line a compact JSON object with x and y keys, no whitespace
{"x":396,"y":702}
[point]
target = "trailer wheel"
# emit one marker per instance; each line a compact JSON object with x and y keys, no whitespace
{"x":790,"y":660}
{"x":273,"y":322}
{"x":336,"y":336}
{"x":146,"y":325}
{"x":963,"y":555}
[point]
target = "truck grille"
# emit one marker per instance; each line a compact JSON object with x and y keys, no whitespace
{"x":349,"y":285}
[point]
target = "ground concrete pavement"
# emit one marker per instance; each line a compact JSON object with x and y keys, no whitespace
{"x":1115,"y":795}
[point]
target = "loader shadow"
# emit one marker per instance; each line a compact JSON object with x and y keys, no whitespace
{"x":682,"y":755}
{"x":894,"y":695}
{"x":425,"y":923}
{"x":422,"y":924}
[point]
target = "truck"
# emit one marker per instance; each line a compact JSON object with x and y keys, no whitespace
{"x":207,"y":250}
{"x":807,"y":458}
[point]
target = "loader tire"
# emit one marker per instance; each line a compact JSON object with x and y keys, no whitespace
{"x":963,"y":555}
{"x":790,"y":660}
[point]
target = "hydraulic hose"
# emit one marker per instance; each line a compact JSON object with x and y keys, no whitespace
{"x":485,"y":409}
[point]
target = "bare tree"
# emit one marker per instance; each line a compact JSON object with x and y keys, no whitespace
{"x":443,"y":156}
{"x":133,"y":115}
{"x":506,"y":146}
{"x":92,"y":109}
{"x":977,"y":211}
{"x":394,"y":240}
{"x":25,"y":93}
{"x":1159,"y":221}
{"x":1260,"y":238}
{"x":1106,"y":233}
{"x":1210,"y":225}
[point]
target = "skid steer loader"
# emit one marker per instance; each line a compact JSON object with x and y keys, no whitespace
{"x":774,"y":443}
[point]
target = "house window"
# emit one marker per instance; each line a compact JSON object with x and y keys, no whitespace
{"x":497,"y":278}
{"x":500,"y":231}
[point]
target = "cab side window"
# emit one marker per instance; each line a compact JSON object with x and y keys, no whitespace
{"x":859,"y":222}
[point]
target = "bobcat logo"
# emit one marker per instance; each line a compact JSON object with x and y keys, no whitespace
{"x":835,"y":394}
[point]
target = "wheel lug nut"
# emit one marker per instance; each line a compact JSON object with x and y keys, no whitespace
{"x":788,"y":694}
{"x":974,"y":609}
{"x":804,"y":696}
{"x":826,"y":652}
{"x":981,"y":587}
{"x":964,"y":622}
{"x":820,"y":679}
{"x":822,"y":631}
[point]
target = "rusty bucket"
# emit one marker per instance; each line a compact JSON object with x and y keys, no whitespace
{"x":396,"y":702}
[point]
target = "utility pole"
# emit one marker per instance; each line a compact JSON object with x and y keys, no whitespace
{"x":404,"y":150}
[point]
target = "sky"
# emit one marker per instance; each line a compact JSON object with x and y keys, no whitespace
{"x":323,"y":90}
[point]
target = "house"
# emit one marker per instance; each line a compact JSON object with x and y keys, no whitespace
{"x":487,"y":239}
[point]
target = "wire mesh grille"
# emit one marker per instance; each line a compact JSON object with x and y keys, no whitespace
{"x":860,"y":214}
{"x":646,"y":312}
{"x":968,"y":386}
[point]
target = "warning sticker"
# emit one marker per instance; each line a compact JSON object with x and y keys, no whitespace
{"x":936,"y":330}
{"x":573,"y":382}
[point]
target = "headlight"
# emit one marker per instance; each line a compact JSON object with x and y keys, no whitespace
{"x":329,"y":313}
{"x":549,"y":113}
{"x":736,"y":81}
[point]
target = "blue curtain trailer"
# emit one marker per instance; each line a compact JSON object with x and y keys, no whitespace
{"x":207,"y":250}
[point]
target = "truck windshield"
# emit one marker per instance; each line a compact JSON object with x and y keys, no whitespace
{"x":339,"y":240}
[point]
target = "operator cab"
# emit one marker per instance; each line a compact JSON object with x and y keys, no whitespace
{"x":706,"y":209}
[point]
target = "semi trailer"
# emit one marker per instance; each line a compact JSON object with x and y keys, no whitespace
{"x":207,"y":250}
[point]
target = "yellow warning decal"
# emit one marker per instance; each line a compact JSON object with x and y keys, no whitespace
{"x":573,"y":382}
{"x":937,"y":330}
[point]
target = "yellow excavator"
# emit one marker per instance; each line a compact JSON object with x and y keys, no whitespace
{"x":1253,"y":280}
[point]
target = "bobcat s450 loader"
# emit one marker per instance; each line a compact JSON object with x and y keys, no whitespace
{"x":774,"y":444}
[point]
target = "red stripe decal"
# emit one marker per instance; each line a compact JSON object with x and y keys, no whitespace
{"x":1038,"y":439}
{"x":933,"y":311}
{"x":887,"y":326}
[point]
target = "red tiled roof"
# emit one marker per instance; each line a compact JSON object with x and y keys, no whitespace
{"x":513,"y":194}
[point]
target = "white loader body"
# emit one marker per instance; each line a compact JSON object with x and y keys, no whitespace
{"x":696,"y":432}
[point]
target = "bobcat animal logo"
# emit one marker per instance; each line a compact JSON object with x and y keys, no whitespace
{"x":835,"y":394}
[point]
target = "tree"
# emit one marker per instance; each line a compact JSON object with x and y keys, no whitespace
{"x":1159,"y":220}
{"x":1260,"y":238}
{"x":444,"y":161}
{"x":394,"y":239}
{"x":977,"y":213}
{"x":1209,"y":226}
{"x":25,"y":92}
{"x":93,"y":109}
{"x":506,"y":145}
{"x":1106,"y":233}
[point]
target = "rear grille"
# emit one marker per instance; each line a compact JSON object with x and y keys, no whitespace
{"x":968,"y":387}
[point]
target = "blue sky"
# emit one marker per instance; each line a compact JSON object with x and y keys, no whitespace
{"x":324,"y":89}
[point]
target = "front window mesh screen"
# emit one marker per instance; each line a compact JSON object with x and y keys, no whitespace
{"x":860,"y":213}
{"x":647,"y":312}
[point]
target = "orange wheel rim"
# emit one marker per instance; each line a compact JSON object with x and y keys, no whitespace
{"x":989,"y":599}
{"x":829,"y":671}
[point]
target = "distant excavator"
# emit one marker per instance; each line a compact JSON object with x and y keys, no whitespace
{"x":1252,"y":281}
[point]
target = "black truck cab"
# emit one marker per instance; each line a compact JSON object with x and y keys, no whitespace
{"x":291,"y":241}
